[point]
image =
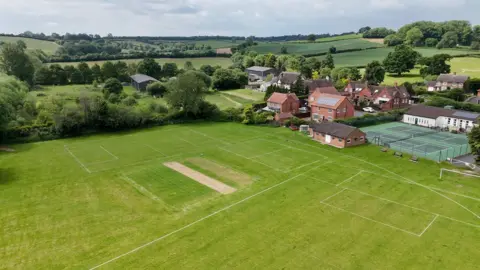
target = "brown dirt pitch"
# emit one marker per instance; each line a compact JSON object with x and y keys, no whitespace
{"x":375,"y":40}
{"x":222,"y":171}
{"x":200,"y":178}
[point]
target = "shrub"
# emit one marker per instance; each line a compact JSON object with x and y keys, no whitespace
{"x":156,"y":89}
{"x":136,"y":95}
{"x":129,"y":101}
{"x":113,"y":98}
{"x":112,"y":86}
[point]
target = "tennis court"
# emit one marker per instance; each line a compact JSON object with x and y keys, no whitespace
{"x":419,"y":141}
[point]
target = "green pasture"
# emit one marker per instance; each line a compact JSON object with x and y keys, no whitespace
{"x":362,"y":58}
{"x":310,"y":48}
{"x":48,"y":47}
{"x":197,"y":62}
{"x":466,"y":65}
{"x":344,"y":37}
{"x":108,"y":202}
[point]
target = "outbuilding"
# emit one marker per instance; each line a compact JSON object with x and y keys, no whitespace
{"x":141,"y":81}
{"x":337,"y":135}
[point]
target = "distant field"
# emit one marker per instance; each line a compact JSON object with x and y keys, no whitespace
{"x":362,"y":58}
{"x":106,"y":201}
{"x":310,"y":48}
{"x":344,"y":37}
{"x":197,"y":62}
{"x":48,"y":47}
{"x":466,"y":65}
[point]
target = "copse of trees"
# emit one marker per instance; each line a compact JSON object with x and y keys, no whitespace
{"x":401,"y":60}
{"x":225,"y":79}
{"x":379,"y":32}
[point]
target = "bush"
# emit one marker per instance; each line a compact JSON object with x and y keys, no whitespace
{"x":136,"y":95}
{"x":112,"y":86}
{"x":129,"y":101}
{"x":113,"y":98}
{"x":224,"y":79}
{"x":370,"y":120}
{"x":156,"y":89}
{"x":157,"y":108}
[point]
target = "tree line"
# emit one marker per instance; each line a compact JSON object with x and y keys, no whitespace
{"x":441,"y":35}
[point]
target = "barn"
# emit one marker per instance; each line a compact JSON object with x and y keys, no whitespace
{"x":141,"y":81}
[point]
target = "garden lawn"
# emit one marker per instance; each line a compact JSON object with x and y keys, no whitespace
{"x":49,"y":47}
{"x":197,"y":62}
{"x":107,"y":202}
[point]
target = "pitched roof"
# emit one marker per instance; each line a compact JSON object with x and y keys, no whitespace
{"x":281,"y":97}
{"x":435,"y":112}
{"x":473,"y":100}
{"x":452,"y":78}
{"x":141,"y":78}
{"x":288,"y":77}
{"x":357,"y":85}
{"x":313,"y":84}
{"x":335,"y":129}
{"x":431,"y":83}
{"x":260,"y":69}
{"x":326,"y":100}
{"x":327,"y":90}
{"x":392,"y":90}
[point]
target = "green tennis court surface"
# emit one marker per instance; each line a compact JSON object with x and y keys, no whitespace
{"x":423,"y":142}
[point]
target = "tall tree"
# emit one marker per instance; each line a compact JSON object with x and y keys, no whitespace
{"x":414,"y":37}
{"x":270,"y":60}
{"x":43,"y":76}
{"x":150,"y":67}
{"x":16,"y":62}
{"x":86,"y":72}
{"x":401,"y":60}
{"x":449,"y":40}
{"x":121,"y":68}
{"x":186,"y":93}
{"x":188,"y":65}
{"x":207,"y":69}
{"x":97,"y":73}
{"x":374,"y":73}
{"x":112,"y":86}
{"x":109,"y":70}
{"x":77,"y":77}
{"x":170,"y":70}
{"x":59,"y":76}
{"x":328,"y":62}
{"x":435,"y":65}
{"x":311,"y":38}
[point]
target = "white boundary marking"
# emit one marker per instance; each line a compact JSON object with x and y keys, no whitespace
{"x":182,"y":139}
{"x":360,"y":216}
{"x":459,"y":172}
{"x":350,"y":178}
{"x":276,"y":151}
{"x":115,"y":157}
{"x":199,"y":220}
{"x":140,"y":188}
{"x":76,"y":159}
{"x":331,"y":196}
{"x":305,"y":165}
{"x":296,"y":148}
{"x":154,"y":149}
{"x":426,"y":228}
{"x":259,"y":162}
{"x":205,"y":135}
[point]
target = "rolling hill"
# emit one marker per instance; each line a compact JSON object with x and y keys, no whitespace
{"x":48,"y":47}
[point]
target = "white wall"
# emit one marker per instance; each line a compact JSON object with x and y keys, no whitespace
{"x":421,"y":121}
{"x":441,"y":121}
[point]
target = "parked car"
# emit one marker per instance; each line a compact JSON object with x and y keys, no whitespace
{"x":368,"y":109}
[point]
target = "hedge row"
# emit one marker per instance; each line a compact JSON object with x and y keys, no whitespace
{"x":370,"y":120}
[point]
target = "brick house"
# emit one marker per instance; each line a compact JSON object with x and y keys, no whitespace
{"x":284,"y":105}
{"x":336,"y":134}
{"x":391,"y":97}
{"x":325,"y":85}
{"x":330,"y":107}
{"x":447,"y":82}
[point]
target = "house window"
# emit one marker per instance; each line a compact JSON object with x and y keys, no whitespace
{"x":344,"y":110}
{"x":362,"y":138}
{"x":449,"y":120}
{"x":340,"y":140}
{"x":349,"y":141}
{"x":329,"y":110}
{"x":355,"y":139}
{"x":315,"y":116}
{"x":312,"y":98}
{"x":467,"y":123}
{"x":455,"y":122}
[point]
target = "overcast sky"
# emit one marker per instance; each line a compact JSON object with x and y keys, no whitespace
{"x":224,"y":17}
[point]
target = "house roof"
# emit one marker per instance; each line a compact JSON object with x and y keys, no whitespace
{"x":435,"y":112}
{"x":260,"y":69}
{"x":328,"y":90}
{"x":358,"y":85}
{"x":473,"y":100}
{"x":335,"y":129}
{"x":392,"y":90}
{"x":326,"y":100}
{"x":313,"y":84}
{"x":431,"y":83}
{"x":452,"y":78}
{"x":281,"y":97}
{"x":141,"y":78}
{"x":288,"y":77}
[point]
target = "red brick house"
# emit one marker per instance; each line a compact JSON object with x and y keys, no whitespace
{"x":337,"y":135}
{"x":325,"y":85}
{"x":330,"y":107}
{"x":391,"y":97}
{"x":285,"y":105}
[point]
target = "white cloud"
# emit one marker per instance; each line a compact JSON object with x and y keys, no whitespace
{"x":225,"y":17}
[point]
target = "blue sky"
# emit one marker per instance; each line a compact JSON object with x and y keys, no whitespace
{"x":224,"y":17}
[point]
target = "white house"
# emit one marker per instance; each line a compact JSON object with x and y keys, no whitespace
{"x":428,"y":116}
{"x":447,"y":82}
{"x":286,"y":79}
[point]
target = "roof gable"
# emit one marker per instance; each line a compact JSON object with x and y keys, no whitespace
{"x":282,"y":97}
{"x":334,"y":129}
{"x":141,"y":78}
{"x":452,"y":78}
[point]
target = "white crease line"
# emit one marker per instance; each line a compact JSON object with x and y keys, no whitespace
{"x":259,"y":162}
{"x":115,"y":157}
{"x":328,"y":198}
{"x":435,"y":218}
{"x":346,"y":180}
{"x":76,"y":159}
{"x":154,"y":149}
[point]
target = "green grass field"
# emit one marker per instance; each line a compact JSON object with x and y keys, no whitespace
{"x":107,"y":202}
{"x":310,"y":48}
{"x":223,"y":99}
{"x":467,"y":65}
{"x":197,"y":62}
{"x":344,"y":37}
{"x":48,"y":47}
{"x":362,"y":58}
